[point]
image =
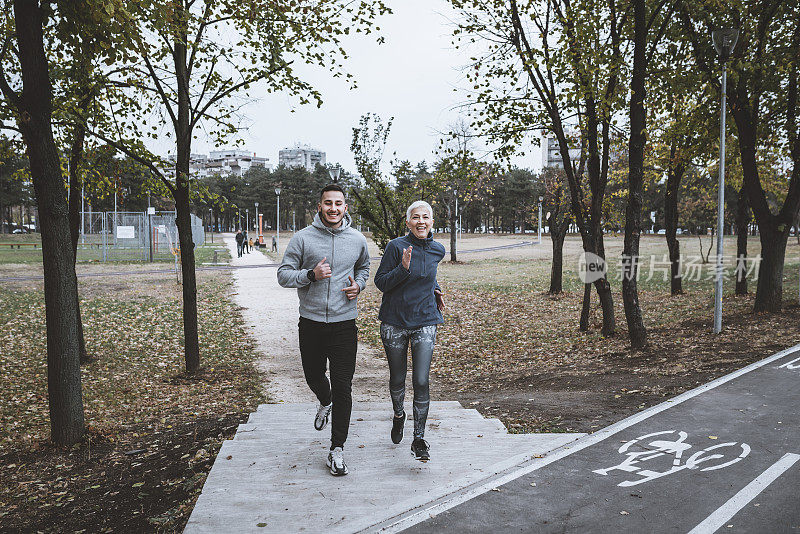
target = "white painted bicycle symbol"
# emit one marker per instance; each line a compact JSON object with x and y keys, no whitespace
{"x":636,"y":453}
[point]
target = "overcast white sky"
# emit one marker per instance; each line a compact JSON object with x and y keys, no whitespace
{"x":411,"y":77}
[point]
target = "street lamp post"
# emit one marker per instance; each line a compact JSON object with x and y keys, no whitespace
{"x":278,"y":220}
{"x":334,"y":173}
{"x":724,"y":43}
{"x":459,"y":221}
{"x":114,"y":226}
{"x":247,"y":218}
{"x":258,"y":222}
{"x":541,"y":199}
{"x":83,"y":213}
{"x":211,"y":224}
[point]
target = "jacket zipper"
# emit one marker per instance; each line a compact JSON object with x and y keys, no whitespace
{"x":424,"y":251}
{"x":333,"y":256}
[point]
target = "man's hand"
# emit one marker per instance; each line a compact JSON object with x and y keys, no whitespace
{"x":352,"y":290}
{"x":322,"y":270}
{"x":439,"y":299}
{"x":407,"y":257}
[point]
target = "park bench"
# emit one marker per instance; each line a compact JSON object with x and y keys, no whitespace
{"x":19,"y":245}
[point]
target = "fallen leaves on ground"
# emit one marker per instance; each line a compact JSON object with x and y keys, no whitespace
{"x":152,"y":431}
{"x":504,"y":344}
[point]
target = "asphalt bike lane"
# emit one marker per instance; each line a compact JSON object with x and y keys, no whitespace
{"x":723,"y":457}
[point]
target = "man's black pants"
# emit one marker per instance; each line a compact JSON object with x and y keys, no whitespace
{"x":337,"y":343}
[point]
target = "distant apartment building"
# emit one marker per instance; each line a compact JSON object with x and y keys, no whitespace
{"x":234,"y":161}
{"x":301,"y":156}
{"x":225,"y":162}
{"x":551,"y":154}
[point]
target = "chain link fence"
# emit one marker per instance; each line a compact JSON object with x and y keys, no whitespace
{"x":132,"y":236}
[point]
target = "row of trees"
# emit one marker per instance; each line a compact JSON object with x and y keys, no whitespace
{"x":506,"y":202}
{"x":81,"y":77}
{"x":645,"y":70}
{"x":77,"y":73}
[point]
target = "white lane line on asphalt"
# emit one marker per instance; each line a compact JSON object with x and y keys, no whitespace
{"x":791,"y":365}
{"x":445,"y":503}
{"x":724,"y":513}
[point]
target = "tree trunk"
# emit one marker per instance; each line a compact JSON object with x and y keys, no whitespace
{"x":769,"y":291}
{"x":633,"y":211}
{"x":190,"y":330}
{"x":453,"y":251}
{"x":674,"y":176}
{"x":587,"y":301}
{"x":773,"y":229}
{"x":607,"y":305}
{"x":34,"y":108}
{"x":557,"y":235}
{"x":75,"y":183}
{"x":183,"y":136}
{"x":742,"y":222}
{"x":602,"y":285}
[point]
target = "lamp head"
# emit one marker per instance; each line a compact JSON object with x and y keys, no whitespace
{"x":725,"y":41}
{"x":256,"y":205}
{"x":541,"y":199}
{"x":278,"y":190}
{"x":334,"y":173}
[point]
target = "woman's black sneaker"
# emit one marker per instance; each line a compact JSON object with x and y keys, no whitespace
{"x":420,"y":450}
{"x":397,"y":428}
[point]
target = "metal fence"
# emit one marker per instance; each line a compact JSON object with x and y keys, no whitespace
{"x":131,"y":236}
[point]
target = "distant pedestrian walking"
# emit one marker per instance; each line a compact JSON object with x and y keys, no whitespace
{"x":239,"y":243}
{"x":245,"y":242}
{"x":328,"y":263}
{"x":410,"y":311}
{"x":274,"y":244}
{"x":250,"y":243}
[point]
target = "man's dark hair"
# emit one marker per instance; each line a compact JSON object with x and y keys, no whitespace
{"x":333,"y":187}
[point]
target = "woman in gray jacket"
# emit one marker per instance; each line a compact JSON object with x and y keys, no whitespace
{"x":411,"y":309}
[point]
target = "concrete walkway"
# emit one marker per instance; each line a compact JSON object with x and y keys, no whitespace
{"x":271,"y":314}
{"x":272,"y":476}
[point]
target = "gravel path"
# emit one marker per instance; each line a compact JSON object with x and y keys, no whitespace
{"x":271,"y":315}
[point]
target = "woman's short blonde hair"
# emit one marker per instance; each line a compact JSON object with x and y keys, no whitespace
{"x":418,"y":204}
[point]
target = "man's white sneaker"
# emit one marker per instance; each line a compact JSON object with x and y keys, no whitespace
{"x":323,"y":414}
{"x":336,"y":462}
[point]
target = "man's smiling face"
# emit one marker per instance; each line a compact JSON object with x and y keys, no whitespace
{"x":332,"y":207}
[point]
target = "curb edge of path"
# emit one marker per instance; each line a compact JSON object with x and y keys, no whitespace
{"x":434,"y":508}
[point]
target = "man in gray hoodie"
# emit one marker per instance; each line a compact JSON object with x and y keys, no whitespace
{"x":328,"y":263}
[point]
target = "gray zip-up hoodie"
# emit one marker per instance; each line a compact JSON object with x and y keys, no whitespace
{"x":346,"y":250}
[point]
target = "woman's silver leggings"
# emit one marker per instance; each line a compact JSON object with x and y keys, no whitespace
{"x":395,"y":342}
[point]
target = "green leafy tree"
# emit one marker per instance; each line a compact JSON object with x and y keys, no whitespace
{"x":555,"y":66}
{"x":460,"y":176}
{"x":682,"y":131}
{"x":30,"y":30}
{"x":13,"y":177}
{"x":196,"y":60}
{"x":556,"y":208}
{"x":764,"y":76}
{"x":379,"y":203}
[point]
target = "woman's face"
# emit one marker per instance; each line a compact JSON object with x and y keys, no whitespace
{"x":420,"y":222}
